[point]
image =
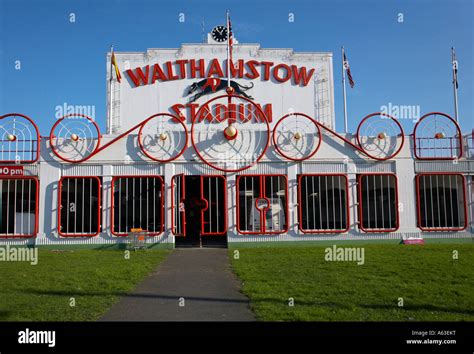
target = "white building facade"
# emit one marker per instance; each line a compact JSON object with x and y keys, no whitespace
{"x":186,"y":162}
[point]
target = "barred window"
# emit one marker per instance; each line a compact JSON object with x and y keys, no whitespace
{"x":441,"y":202}
{"x":378,"y":202}
{"x":323,"y":203}
{"x":262,"y":204}
{"x":79,"y":205}
{"x":137,"y":204}
{"x":18,"y":207}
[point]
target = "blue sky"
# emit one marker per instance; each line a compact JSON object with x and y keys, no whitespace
{"x":402,"y":63}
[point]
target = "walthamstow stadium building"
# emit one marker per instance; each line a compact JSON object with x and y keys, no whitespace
{"x":186,"y":161}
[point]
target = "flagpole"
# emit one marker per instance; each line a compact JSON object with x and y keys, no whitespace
{"x":203,"y":32}
{"x":455,"y":82}
{"x":228,"y":49}
{"x":110,"y":91}
{"x":344,"y":90}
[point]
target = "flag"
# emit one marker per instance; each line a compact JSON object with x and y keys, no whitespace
{"x":348,"y":71}
{"x":455,"y":70}
{"x":114,"y":64}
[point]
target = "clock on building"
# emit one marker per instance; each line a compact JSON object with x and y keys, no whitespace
{"x":219,"y":34}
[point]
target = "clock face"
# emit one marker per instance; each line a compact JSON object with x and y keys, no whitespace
{"x":219,"y":33}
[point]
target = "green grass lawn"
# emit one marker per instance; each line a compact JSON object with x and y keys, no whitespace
{"x":434,"y":287}
{"x":94,"y":278}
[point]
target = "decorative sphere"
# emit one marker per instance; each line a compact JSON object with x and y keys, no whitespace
{"x":298,"y":136}
{"x":163,"y":136}
{"x":381,"y":135}
{"x":230,"y":132}
{"x":74,"y":137}
{"x":229,"y":90}
{"x":440,"y":135}
{"x":11,"y":137}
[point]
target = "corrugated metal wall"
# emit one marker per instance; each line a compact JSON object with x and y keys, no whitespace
{"x":323,"y":167}
{"x":195,"y":168}
{"x":466,"y":167}
{"x":81,"y":170}
{"x":138,"y":169}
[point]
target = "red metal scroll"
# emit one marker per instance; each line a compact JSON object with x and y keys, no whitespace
{"x":377,"y":137}
{"x":437,"y":136}
{"x":79,"y":135}
{"x":297,"y":136}
{"x":19,"y":139}
{"x":75,"y":135}
{"x":232,"y":135}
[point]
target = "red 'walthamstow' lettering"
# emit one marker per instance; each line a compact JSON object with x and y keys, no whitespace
{"x":194,"y":68}
{"x":301,"y":75}
{"x":142,"y":77}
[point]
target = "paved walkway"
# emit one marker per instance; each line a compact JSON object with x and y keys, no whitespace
{"x":201,"y":276}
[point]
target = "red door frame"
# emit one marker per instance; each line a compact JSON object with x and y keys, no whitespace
{"x":173,"y":206}
{"x":203,"y":233}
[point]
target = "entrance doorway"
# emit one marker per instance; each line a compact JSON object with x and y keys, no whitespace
{"x":199,"y":211}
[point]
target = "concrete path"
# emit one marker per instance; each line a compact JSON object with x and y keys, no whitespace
{"x":202,"y":277}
